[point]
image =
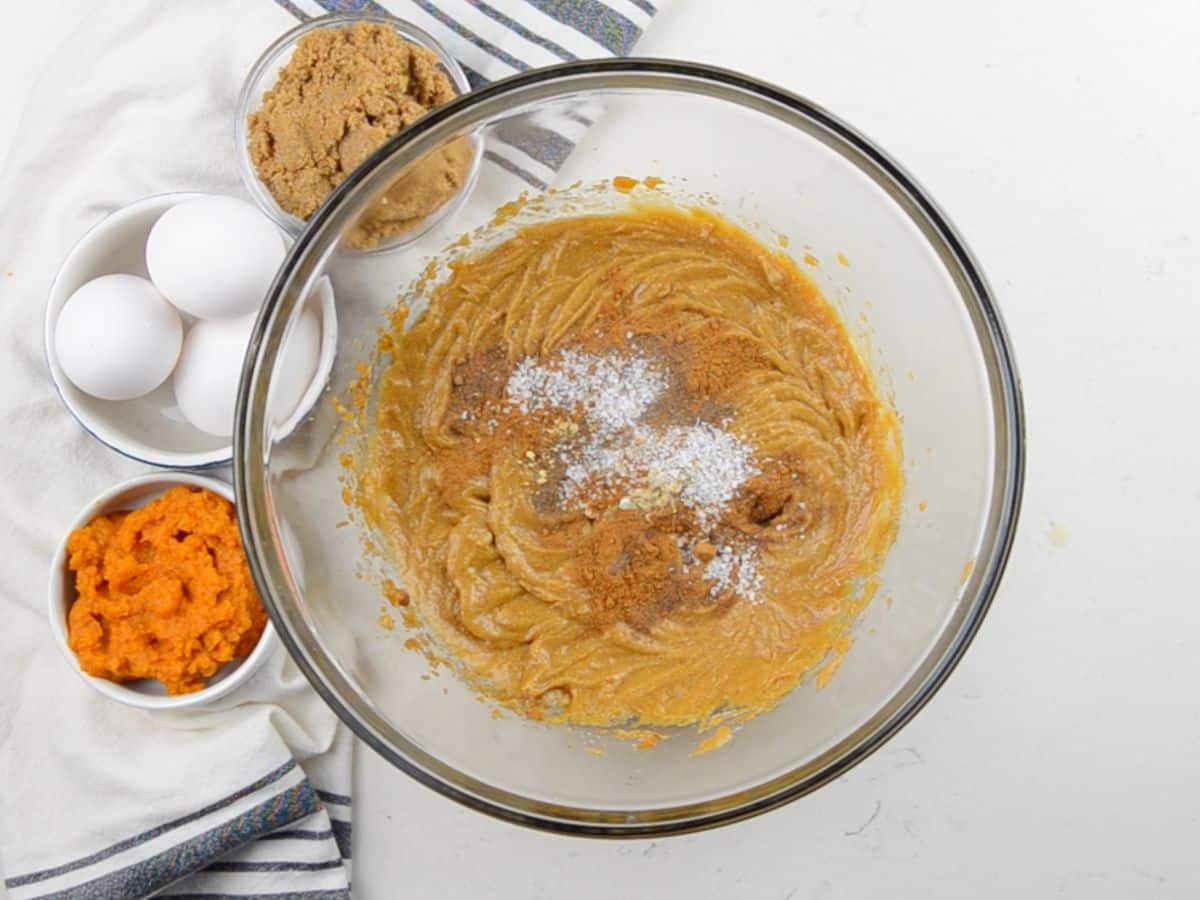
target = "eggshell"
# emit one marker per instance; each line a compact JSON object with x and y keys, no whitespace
{"x":210,"y":366}
{"x":206,"y":378}
{"x":116,"y":338}
{"x":214,"y":257}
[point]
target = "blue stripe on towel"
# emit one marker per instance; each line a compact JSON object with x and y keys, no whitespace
{"x":473,"y":78}
{"x":548,"y":147}
{"x":294,"y":10}
{"x":601,"y":23}
{"x":349,"y":6}
{"x":466,"y":34}
{"x":297,"y":834}
{"x":150,"y":875}
{"x":342,"y":833}
{"x":517,"y":28}
{"x":336,"y":799}
{"x":513,"y":169}
{"x":121,"y":846}
{"x":283,"y":865}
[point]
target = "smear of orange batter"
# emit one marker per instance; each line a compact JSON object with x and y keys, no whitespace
{"x":719,"y":738}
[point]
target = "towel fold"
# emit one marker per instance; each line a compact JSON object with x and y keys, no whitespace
{"x":251,"y":796}
{"x":124,"y":803}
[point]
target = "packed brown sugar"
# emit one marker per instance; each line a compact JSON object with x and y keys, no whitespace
{"x":343,"y":93}
{"x":633,"y":471}
{"x":162,"y":592}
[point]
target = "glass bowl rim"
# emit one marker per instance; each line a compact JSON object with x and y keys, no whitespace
{"x":254,"y":504}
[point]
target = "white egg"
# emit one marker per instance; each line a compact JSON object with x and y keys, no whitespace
{"x":210,"y":366}
{"x":297,"y":366}
{"x":206,"y":379}
{"x":116,"y":338}
{"x":214,"y":257}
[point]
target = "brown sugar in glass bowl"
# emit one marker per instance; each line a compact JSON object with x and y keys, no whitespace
{"x":351,"y":82}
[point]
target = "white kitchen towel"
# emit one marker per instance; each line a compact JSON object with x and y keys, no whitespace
{"x":96,"y":799}
{"x":251,"y":797}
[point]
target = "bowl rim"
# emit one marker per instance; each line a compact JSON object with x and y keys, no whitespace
{"x":1002,"y":512}
{"x":59,"y":587}
{"x":252,"y":91}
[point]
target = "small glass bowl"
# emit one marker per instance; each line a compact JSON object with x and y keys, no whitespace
{"x":262,"y":77}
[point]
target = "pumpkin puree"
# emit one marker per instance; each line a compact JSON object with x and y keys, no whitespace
{"x":163,"y":592}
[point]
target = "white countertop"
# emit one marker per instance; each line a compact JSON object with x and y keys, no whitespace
{"x":1063,"y":139}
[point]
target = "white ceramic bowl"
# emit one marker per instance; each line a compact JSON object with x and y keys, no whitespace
{"x":146,"y":694}
{"x":151,"y":429}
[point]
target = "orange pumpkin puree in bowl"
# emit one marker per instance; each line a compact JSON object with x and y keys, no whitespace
{"x":163,"y":591}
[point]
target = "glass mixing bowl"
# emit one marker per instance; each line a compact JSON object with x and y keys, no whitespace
{"x":913,"y":299}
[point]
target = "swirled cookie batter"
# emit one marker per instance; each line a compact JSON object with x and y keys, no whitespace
{"x":633,"y":470}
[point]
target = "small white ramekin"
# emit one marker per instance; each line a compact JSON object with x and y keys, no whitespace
{"x":147,"y":694}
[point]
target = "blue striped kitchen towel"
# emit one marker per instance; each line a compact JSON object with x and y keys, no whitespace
{"x":251,"y":798}
{"x":496,"y":39}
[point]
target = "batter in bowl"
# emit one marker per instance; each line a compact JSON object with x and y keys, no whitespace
{"x":633,"y":470}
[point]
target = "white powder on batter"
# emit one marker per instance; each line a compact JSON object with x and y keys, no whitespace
{"x":700,"y":466}
{"x":737,"y":569}
{"x":613,"y":391}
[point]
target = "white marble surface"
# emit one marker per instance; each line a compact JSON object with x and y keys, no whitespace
{"x":1062,"y":138}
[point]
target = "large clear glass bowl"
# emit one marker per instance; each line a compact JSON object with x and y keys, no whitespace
{"x":911,"y":295}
